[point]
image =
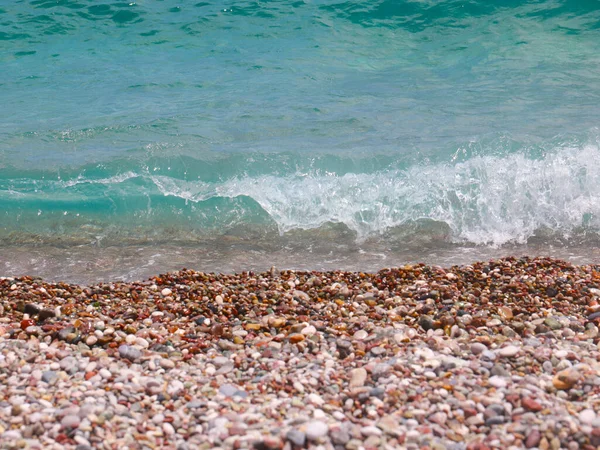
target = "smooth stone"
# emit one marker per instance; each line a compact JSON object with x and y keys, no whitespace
{"x":360,"y":335}
{"x":316,"y":429}
{"x":70,"y":421}
{"x":166,"y":292}
{"x":230,"y":390}
{"x":552,"y":323}
{"x":129,"y":352}
{"x":587,"y":416}
{"x":497,"y":382}
{"x":477,"y":348}
{"x":308,"y":331}
{"x":167,"y":363}
{"x":566,"y":379}
{"x":489,"y":355}
{"x":296,"y":437}
{"x":371,"y":430}
{"x":48,"y":376}
{"x":509,"y":351}
{"x":168,"y":429}
{"x":31,"y":309}
{"x":358,"y":377}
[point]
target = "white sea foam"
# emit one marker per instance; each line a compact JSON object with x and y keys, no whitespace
{"x":484,"y":200}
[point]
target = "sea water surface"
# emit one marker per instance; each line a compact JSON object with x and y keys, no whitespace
{"x":144,"y":136}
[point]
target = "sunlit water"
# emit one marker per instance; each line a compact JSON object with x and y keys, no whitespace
{"x":139,"y":137}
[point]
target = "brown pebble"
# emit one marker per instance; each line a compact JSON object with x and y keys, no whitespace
{"x":566,"y":379}
{"x":531,"y":405}
{"x":296,"y":337}
{"x":533,"y":439}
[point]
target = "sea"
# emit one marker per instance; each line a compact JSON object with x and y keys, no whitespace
{"x":139,"y":137}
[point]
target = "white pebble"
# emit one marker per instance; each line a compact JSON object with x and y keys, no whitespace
{"x":316,"y":429}
{"x":497,"y":382}
{"x":166,"y":292}
{"x":587,"y":416}
{"x":167,"y":363}
{"x":509,"y":351}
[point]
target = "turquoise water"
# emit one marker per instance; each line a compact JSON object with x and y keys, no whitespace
{"x":394,"y":128}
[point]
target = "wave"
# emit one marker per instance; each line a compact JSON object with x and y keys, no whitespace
{"x":473,"y":198}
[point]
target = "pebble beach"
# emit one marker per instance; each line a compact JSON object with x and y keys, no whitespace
{"x":503,"y":354}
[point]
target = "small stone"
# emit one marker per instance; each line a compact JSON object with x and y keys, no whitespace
{"x":509,"y":351}
{"x":344,"y":347}
{"x":296,"y":437}
{"x":70,"y":421}
{"x":31,"y":309}
{"x":91,"y":340}
{"x":360,"y":335}
{"x":505,"y":312}
{"x":529,"y":404}
{"x":358,"y":377}
{"x":533,"y":439}
{"x":168,"y":429}
{"x":477,"y":348}
{"x":308,"y":331}
{"x":552,"y":323}
{"x":438,"y":417}
{"x":566,"y":379}
{"x":167,"y":363}
{"x":166,"y":292}
{"x":497,"y":382}
{"x":389,"y":424}
{"x":296,"y":337}
{"x":370,"y":430}
{"x":316,"y":429}
{"x":46,"y":314}
{"x":129,"y":352}
{"x":228,"y":390}
{"x":49,"y":376}
{"x":587,"y":416}
{"x":426,"y":322}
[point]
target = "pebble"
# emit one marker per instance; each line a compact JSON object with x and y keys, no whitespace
{"x":404,"y":358}
{"x":509,"y":351}
{"x":296,"y":437}
{"x":497,"y":382}
{"x":129,"y":352}
{"x":358,"y":377}
{"x":167,"y":364}
{"x":316,"y":429}
{"x":477,"y":348}
{"x":360,"y":335}
{"x":49,"y":376}
{"x":587,"y":416}
{"x":370,"y":430}
{"x":70,"y":421}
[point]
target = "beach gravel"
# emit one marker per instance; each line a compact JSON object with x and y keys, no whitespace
{"x":502,"y":354}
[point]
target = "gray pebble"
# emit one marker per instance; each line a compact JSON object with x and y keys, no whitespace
{"x":49,"y":376}
{"x":129,"y":352}
{"x":296,"y":437}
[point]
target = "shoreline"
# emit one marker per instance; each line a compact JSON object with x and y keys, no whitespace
{"x":496,"y":354}
{"x":88,"y":264}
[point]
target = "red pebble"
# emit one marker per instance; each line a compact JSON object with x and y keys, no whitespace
{"x":531,"y":405}
{"x":27,"y":323}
